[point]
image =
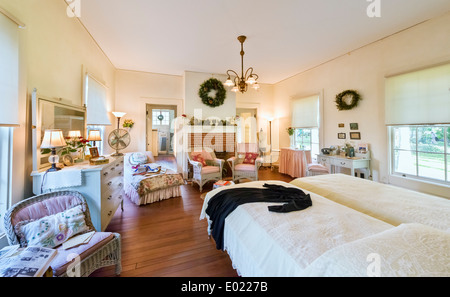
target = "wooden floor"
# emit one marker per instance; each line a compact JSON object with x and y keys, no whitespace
{"x":167,"y":238}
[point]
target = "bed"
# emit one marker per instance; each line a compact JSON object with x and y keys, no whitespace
{"x":322,"y":240}
{"x":146,"y":181}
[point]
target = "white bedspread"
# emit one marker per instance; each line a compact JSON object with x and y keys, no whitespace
{"x":407,"y":250}
{"x":263,"y":243}
{"x":388,"y":203}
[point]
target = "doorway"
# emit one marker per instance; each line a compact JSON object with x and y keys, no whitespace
{"x":247,"y":132}
{"x":160,"y":128}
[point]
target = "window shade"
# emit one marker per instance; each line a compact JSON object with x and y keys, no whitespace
{"x":419,"y":97}
{"x":305,"y":112}
{"x":9,"y":72}
{"x":96,"y":103}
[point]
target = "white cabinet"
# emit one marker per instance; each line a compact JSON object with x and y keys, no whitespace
{"x":101,"y":185}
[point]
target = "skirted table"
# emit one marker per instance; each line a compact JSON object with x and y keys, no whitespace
{"x":294,"y":162}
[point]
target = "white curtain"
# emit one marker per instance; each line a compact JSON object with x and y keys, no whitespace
{"x":419,"y":97}
{"x":305,"y":112}
{"x":9,"y":72}
{"x":96,"y":103}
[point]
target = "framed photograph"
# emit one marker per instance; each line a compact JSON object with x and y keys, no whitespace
{"x":94,"y":152}
{"x":67,"y":160}
{"x":353,"y":126}
{"x":341,"y":135}
{"x":341,"y":125}
{"x":355,"y":135}
{"x":363,"y":148}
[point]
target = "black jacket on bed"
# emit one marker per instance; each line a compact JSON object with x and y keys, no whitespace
{"x":225,"y":201}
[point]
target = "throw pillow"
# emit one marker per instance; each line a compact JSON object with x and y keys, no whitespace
{"x":199,"y":158}
{"x":250,"y":158}
{"x":138,"y":158}
{"x":52,"y":230}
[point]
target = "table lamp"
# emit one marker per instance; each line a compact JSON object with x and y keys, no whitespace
{"x":94,"y":135}
{"x":53,"y":138}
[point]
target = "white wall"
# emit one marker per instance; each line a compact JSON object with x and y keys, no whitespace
{"x":53,"y":50}
{"x":136,"y":89}
{"x":364,"y":70}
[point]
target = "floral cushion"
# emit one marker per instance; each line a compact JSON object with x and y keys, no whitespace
{"x":250,"y":158}
{"x":52,"y":230}
{"x":138,"y":158}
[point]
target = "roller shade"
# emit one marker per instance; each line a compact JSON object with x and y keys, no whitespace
{"x":419,"y":97}
{"x":96,"y":103}
{"x":305,"y":112}
{"x":9,"y":72}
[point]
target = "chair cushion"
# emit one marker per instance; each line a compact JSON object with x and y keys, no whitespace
{"x":64,"y":257}
{"x":317,"y":167}
{"x":52,"y":230}
{"x":245,"y":167}
{"x":210,"y":169}
{"x":250,"y":158}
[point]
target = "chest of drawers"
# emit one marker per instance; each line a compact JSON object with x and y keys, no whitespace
{"x":101,"y":185}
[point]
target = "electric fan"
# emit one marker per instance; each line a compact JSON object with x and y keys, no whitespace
{"x":119,"y":139}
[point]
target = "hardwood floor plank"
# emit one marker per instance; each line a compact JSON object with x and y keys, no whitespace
{"x":167,"y":238}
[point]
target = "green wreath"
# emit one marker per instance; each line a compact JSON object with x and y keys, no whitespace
{"x":342,"y":104}
{"x":206,"y":87}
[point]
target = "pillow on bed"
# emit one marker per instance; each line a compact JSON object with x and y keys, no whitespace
{"x":53,"y":230}
{"x":250,"y":158}
{"x":138,"y":158}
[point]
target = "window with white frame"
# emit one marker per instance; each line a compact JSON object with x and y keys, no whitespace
{"x":307,"y":139}
{"x":305,"y":122}
{"x":418,"y":120}
{"x":6,"y":134}
{"x":421,"y":151}
{"x":160,"y":117}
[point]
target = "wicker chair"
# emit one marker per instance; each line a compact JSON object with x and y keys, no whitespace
{"x":104,"y":248}
{"x":239,"y":169}
{"x":203,"y":174}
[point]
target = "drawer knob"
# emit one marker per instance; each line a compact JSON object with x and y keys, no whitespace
{"x":109,"y":198}
{"x":105,"y":174}
{"x":110,"y":213}
{"x":109,"y":183}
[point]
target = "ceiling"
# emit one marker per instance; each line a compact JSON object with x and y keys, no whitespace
{"x":284,"y":37}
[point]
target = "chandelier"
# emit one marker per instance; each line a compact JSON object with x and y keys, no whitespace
{"x":241,"y":83}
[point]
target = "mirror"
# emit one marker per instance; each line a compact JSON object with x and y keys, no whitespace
{"x":54,"y":114}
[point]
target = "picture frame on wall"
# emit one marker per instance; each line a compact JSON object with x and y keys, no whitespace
{"x":341,"y":135}
{"x":341,"y":125}
{"x":355,"y":135}
{"x":353,"y":126}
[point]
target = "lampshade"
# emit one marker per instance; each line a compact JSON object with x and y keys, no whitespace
{"x":53,"y":138}
{"x":94,"y":135}
{"x":119,"y":114}
{"x":74,"y":134}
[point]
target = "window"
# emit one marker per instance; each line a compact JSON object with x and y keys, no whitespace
{"x":421,"y":151}
{"x":160,"y":118}
{"x":6,"y":134}
{"x":307,"y":139}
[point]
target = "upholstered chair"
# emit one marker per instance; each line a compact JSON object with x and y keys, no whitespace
{"x":103,"y":249}
{"x":206,"y":167}
{"x":246,"y":162}
{"x":314,"y":168}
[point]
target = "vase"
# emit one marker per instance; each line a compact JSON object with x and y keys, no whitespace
{"x":292,"y":141}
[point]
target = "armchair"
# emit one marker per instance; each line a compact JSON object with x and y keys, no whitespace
{"x":242,"y":168}
{"x":206,"y":166}
{"x":103,"y":249}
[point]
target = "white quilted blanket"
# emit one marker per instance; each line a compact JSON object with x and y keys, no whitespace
{"x":407,"y":250}
{"x":263,"y":243}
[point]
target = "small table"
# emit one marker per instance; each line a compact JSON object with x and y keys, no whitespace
{"x":218,"y":184}
{"x":294,"y":162}
{"x":361,"y":161}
